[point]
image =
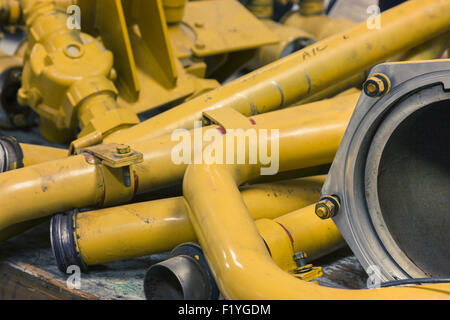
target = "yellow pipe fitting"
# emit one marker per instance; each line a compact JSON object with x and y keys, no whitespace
{"x":302,"y":74}
{"x":66,"y":77}
{"x":81,"y":181}
{"x":157,"y":226}
{"x":239,"y":259}
{"x":174,"y":10}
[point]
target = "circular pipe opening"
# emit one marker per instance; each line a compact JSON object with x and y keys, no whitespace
{"x":162,"y":284}
{"x":413,"y":187}
{"x":178,"y":278}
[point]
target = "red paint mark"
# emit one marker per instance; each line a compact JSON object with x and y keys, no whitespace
{"x":288,"y":233}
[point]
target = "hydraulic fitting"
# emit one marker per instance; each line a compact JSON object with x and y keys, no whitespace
{"x":67,"y":78}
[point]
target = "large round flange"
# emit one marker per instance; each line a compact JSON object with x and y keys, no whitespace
{"x":392,"y":175}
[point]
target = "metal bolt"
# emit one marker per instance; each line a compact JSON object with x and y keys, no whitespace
{"x":327,"y":207}
{"x":199,"y":24}
{"x":200,"y":45}
{"x":123,"y":149}
{"x":300,"y":259}
{"x":377,"y":85}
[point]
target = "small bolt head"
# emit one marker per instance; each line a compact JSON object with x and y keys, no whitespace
{"x":123,"y":149}
{"x":327,"y":208}
{"x":377,"y":86}
{"x":199,"y":24}
{"x":200,"y":45}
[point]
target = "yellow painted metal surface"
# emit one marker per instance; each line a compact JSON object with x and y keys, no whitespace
{"x":238,"y":257}
{"x":67,"y":77}
{"x":224,"y":26}
{"x":157,"y":226}
{"x":311,"y":234}
{"x":82,"y":181}
{"x":290,"y":39}
{"x":308,"y":71}
{"x":34,"y":154}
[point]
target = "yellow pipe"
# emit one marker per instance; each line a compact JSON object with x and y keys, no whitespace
{"x":241,"y":265}
{"x":432,"y":49}
{"x":157,"y":226}
{"x":44,"y":189}
{"x":320,"y":26}
{"x":35,"y":154}
{"x":158,"y":169}
{"x":305,"y":231}
{"x":307,"y":71}
{"x":78,"y":181}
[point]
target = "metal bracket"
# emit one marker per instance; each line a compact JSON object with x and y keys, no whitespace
{"x":227,"y":118}
{"x":114,"y":155}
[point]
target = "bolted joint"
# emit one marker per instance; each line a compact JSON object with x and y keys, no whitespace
{"x":377,"y":85}
{"x":123,"y":150}
{"x":300,"y":259}
{"x":328,"y":207}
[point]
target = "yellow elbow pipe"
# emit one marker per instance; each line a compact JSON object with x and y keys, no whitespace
{"x":307,"y":71}
{"x":240,"y":262}
{"x":146,"y":228}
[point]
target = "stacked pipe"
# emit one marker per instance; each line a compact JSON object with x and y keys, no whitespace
{"x":217,"y":209}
